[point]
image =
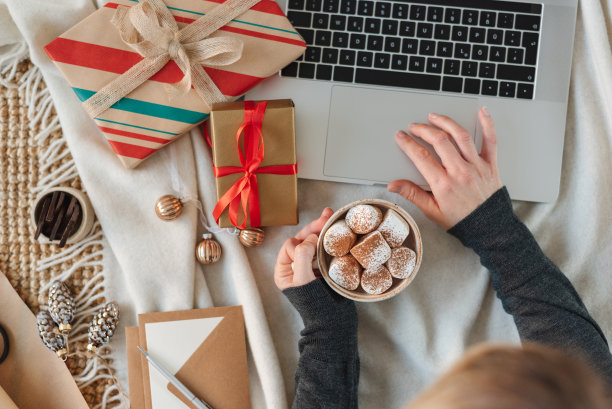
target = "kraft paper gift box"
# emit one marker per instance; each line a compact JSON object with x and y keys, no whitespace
{"x":275,"y":181}
{"x":92,"y":54}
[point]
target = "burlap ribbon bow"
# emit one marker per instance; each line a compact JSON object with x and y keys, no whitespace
{"x":150,"y":29}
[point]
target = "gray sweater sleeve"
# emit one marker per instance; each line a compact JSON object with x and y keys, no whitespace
{"x":328,"y":369}
{"x":545,"y":306}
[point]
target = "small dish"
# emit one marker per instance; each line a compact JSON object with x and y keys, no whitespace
{"x":413,"y":241}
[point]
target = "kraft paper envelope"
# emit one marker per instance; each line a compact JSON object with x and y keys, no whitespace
{"x":5,"y":401}
{"x":134,"y":368}
{"x":32,"y":376}
{"x":205,"y":349}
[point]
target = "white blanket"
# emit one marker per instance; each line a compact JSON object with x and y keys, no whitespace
{"x":404,"y":342}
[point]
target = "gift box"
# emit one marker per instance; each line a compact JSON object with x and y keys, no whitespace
{"x":253,"y":146}
{"x":106,"y":48}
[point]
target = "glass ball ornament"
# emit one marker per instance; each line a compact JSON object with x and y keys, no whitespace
{"x":168,"y":207}
{"x":208,"y":251}
{"x":251,"y":237}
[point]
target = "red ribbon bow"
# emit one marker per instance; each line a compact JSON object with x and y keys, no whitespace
{"x":244,"y":193}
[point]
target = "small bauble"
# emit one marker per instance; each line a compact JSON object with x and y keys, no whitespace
{"x":208,"y":251}
{"x":251,"y":237}
{"x":50,"y":335}
{"x":61,"y":306}
{"x":103,"y":326}
{"x":168,"y":207}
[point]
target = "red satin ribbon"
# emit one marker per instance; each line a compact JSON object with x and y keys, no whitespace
{"x":244,"y":193}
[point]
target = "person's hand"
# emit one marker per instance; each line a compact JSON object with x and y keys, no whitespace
{"x":464,"y":179}
{"x":294,"y":262}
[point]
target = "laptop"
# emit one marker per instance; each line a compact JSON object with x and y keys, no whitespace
{"x":375,"y":66}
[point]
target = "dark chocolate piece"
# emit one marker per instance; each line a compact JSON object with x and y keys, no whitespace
{"x":41,"y":217}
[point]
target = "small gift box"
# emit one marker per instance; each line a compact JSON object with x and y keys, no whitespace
{"x":253,"y":145}
{"x":121,"y":60}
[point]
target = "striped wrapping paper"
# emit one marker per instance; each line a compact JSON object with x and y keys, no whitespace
{"x":91,"y":54}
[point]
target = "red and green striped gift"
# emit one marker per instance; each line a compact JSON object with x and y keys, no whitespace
{"x":92,"y":54}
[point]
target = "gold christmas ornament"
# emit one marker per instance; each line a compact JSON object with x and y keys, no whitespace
{"x":103,"y":326}
{"x":208,"y":251}
{"x":168,"y":207}
{"x":61,"y":306}
{"x":50,"y":334}
{"x":251,"y":237}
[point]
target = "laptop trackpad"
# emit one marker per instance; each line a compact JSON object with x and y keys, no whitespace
{"x":363,"y":122}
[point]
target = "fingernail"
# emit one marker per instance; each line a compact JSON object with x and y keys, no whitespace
{"x":485,"y":110}
{"x":433,"y":116}
{"x":401,"y":134}
{"x":393,"y":188}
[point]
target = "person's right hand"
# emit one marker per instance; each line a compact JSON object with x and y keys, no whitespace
{"x":464,"y":179}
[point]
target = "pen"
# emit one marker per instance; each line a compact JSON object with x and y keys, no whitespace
{"x":200,"y":404}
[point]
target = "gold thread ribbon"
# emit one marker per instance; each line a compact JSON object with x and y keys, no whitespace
{"x":150,"y":29}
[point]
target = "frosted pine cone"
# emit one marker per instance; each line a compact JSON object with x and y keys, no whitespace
{"x":61,"y":306}
{"x":48,"y":333}
{"x":103,"y":326}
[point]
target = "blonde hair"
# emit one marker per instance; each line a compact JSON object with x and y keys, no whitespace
{"x":504,"y":377}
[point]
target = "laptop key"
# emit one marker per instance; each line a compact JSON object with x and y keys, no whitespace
{"x":460,"y":33}
{"x":348,"y":6}
{"x":434,"y":65}
{"x":452,"y":84}
{"x":337,"y":22}
{"x":417,"y":12}
{"x":407,"y":29}
{"x":495,"y":36}
{"x":331,"y":6}
{"x":515,"y":55}
{"x":498,"y":54}
{"x":313,"y":5}
{"x":399,"y":62}
{"x":306,"y":70}
{"x":383,"y":9}
{"x":344,"y":74}
{"x":442,"y":32}
{"x":347,"y":57}
{"x":365,"y":8}
{"x":487,"y":70}
{"x":451,"y":67}
{"x":400,"y":11}
{"x":512,"y":38}
{"x":471,"y":86}
{"x":525,"y":91}
{"x":477,"y":35}
{"x":364,"y":58}
{"x":323,"y":38}
{"x":375,"y":43}
{"x":470,"y":17}
{"x":320,"y":20}
{"x":469,"y":69}
{"x":358,"y":41}
{"x":530,"y":43}
{"x":507,"y":89}
{"x":389,"y":27}
{"x":452,"y":16}
{"x":417,"y":64}
{"x":515,"y":73}
{"x":330,"y":55}
{"x":394,"y":78}
{"x":312,"y":54}
{"x":299,"y":18}
{"x":393,"y":44}
{"x":527,"y":22}
{"x":462,"y":51}
{"x":445,"y":49}
{"x":489,"y":88}
{"x":296,"y":5}
{"x":341,"y":40}
{"x":487,"y":18}
{"x":307,"y":34}
{"x":505,"y":20}
{"x":435,"y":14}
{"x":355,"y":24}
{"x":480,"y":52}
{"x":372,"y":25}
{"x":382,"y":60}
{"x":290,"y":71}
{"x":425,"y":30}
{"x":324,"y":72}
{"x":427,"y":47}
{"x":410,"y":46}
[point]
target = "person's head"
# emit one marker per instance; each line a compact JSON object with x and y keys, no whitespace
{"x":503,"y":377}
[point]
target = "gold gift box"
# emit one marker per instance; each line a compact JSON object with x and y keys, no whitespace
{"x":277,"y":193}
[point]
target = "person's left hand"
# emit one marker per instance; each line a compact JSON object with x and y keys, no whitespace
{"x":294,"y":262}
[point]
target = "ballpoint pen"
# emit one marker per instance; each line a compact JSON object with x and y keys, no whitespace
{"x":199,"y":403}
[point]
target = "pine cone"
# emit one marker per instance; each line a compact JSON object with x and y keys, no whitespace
{"x":61,"y":306}
{"x":103,"y":326}
{"x":49,"y":335}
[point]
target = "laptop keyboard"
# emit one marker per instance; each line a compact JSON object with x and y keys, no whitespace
{"x":478,"y":47}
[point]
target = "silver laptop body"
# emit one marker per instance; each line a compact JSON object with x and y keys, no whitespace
{"x":345,"y":130}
